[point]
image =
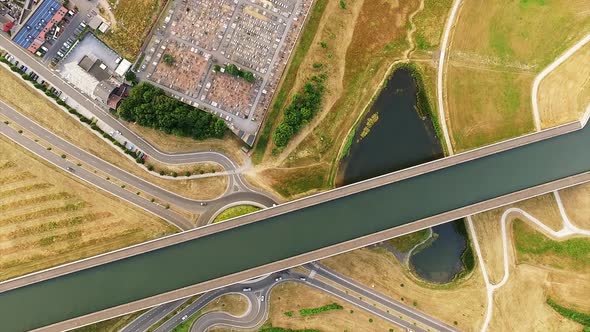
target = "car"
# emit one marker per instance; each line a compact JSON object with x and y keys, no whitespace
{"x":70,"y":169}
{"x":184,"y":317}
{"x":203,"y":203}
{"x":247,"y":289}
{"x":279,"y":278}
{"x":262,"y":298}
{"x":302,"y":278}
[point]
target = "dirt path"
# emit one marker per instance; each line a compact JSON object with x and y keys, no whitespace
{"x":568,"y":230}
{"x":108,"y":12}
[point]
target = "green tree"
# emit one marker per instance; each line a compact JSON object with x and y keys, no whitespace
{"x":168,"y":59}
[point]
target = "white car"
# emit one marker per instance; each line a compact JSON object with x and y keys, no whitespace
{"x":184,"y":317}
{"x":262,"y":298}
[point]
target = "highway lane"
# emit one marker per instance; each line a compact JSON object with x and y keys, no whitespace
{"x":375,"y":296}
{"x":114,"y":171}
{"x":89,"y":177}
{"x":152,"y":316}
{"x":103,"y":114}
{"x":259,"y":309}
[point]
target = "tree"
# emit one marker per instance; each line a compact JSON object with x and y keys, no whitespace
{"x":131,"y":77}
{"x":248,"y":76}
{"x":168,"y":59}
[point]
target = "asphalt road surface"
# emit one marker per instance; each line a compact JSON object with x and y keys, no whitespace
{"x":100,"y":112}
{"x":86,"y":158}
{"x":258,"y":311}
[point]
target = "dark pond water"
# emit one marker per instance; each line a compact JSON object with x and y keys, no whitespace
{"x":441,"y":260}
{"x":401,"y":138}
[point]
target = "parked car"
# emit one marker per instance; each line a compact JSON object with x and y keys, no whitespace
{"x":247,"y":289}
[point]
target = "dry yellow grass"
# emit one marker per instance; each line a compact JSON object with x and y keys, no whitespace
{"x":231,"y":144}
{"x":233,"y":304}
{"x":133,"y":21}
{"x":489,"y":235}
{"x":48,"y":218}
{"x":545,"y":209}
{"x":25,"y":99}
{"x":294,"y":296}
{"x":362,"y":40}
{"x":486,"y":106}
{"x":564,"y":94}
{"x":463,"y":302}
{"x":496,"y":49}
{"x":520,"y":304}
{"x":576,"y":201}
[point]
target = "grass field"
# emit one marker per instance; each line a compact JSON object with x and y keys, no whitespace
{"x":564,"y":94}
{"x":576,"y":201}
{"x":534,"y":248}
{"x":362,"y":41}
{"x":409,"y":241}
{"x":31,"y":103}
{"x":497,"y":49}
{"x":430,"y":24}
{"x":235,"y":211}
{"x":48,"y":218}
{"x":290,"y":296}
{"x":462,"y":302}
{"x":133,"y":21}
{"x":487,"y":106}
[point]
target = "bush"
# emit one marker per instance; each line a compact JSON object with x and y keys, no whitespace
{"x":300,"y":111}
{"x":150,"y":167}
{"x":150,"y":107}
{"x":187,"y":173}
{"x":313,"y":311}
{"x":235,"y":71}
{"x":63,"y":156}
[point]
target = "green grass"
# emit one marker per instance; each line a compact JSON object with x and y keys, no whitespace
{"x":531,"y":242}
{"x":408,"y":241}
{"x":270,"y":328}
{"x":348,"y":144}
{"x":235,"y":211}
{"x":305,"y":41}
{"x":315,"y":311}
{"x":187,"y":324}
{"x":577,"y":317}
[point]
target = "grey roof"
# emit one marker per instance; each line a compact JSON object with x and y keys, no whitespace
{"x":103,"y":90}
{"x":86,"y":63}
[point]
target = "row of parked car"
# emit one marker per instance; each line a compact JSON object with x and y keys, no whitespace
{"x":31,"y":73}
{"x":68,"y":44}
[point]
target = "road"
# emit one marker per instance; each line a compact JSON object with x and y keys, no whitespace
{"x":96,"y":163}
{"x":258,"y":311}
{"x":103,"y":114}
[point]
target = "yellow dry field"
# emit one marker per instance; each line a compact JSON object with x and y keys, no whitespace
{"x":576,"y":202}
{"x":463,"y":302}
{"x":133,"y":21}
{"x":487,"y":106}
{"x":430,"y":23}
{"x":294,"y":296}
{"x":48,"y":218}
{"x":230,"y":145}
{"x":489,"y":236}
{"x":362,"y":41}
{"x":564,"y":94}
{"x":28,"y":101}
{"x":520,"y":304}
{"x":496,"y":50}
{"x":233,"y":304}
{"x":488,"y":228}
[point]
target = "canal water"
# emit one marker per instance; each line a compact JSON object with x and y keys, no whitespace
{"x":402,"y":138}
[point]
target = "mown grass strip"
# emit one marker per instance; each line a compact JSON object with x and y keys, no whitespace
{"x":305,"y":40}
{"x":315,"y":311}
{"x":577,"y":317}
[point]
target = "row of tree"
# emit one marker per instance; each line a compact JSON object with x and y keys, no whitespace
{"x":301,"y":110}
{"x":149,"y":106}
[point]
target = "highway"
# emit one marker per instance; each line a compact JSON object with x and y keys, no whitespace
{"x":96,"y":163}
{"x":103,"y":114}
{"x":258,"y":311}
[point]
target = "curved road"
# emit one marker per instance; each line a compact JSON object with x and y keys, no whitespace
{"x":258,"y":311}
{"x":97,"y":163}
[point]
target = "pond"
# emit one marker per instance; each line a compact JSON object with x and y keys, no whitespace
{"x":441,"y":261}
{"x":392,"y":136}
